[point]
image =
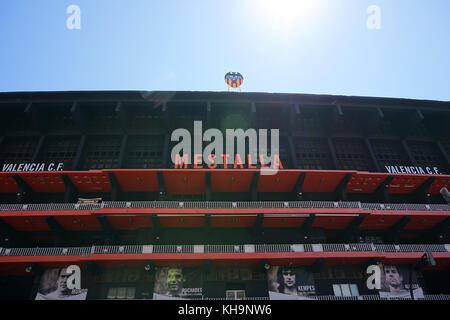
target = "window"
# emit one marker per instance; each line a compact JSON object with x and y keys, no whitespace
{"x":345,"y":290}
{"x":144,"y":152}
{"x":102,"y":153}
{"x":144,"y":120}
{"x":60,"y":149}
{"x":60,"y":118}
{"x":346,"y":125}
{"x":270,"y":117}
{"x":352,"y":155}
{"x":426,"y":154}
{"x":389,"y":153}
{"x":419,"y":131}
{"x":312,"y":153}
{"x":235,"y":294}
{"x":103,"y":119}
{"x":309,"y":122}
{"x":385,"y":128}
{"x":121,"y":293}
{"x":18,"y":150}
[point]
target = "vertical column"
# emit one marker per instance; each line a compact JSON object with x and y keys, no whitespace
{"x":298,"y":189}
{"x":332,"y":152}
{"x":78,"y":162}
{"x":253,"y":118}
{"x":372,"y":154}
{"x":292,"y":153}
{"x":339,"y":111}
{"x":208,"y":115}
{"x":116,"y":191}
{"x":25,"y":192}
{"x":294,"y":113}
{"x":166,"y":156}
{"x":421,"y":193}
{"x":161,"y":186}
{"x":441,"y":149}
{"x":408,"y":153}
{"x":38,"y":149}
{"x":382,"y":193}
{"x":123,"y":116}
{"x":341,"y":189}
{"x":69,"y":195}
{"x":166,"y":161}
{"x":34,"y":117}
{"x":123,"y":149}
{"x":80,"y":116}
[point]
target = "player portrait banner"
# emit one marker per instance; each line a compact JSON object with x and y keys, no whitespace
{"x":176,"y":283}
{"x":53,"y":286}
{"x":395,"y":283}
{"x":290,"y":283}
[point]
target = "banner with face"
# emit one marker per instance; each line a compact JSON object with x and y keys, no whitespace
{"x":176,"y":283}
{"x":290,"y":283}
{"x":395,"y":283}
{"x":53,"y":286}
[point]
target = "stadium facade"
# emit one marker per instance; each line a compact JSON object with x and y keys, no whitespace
{"x":88,"y":180}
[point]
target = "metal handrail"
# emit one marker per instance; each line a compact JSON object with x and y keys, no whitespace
{"x":224,"y":205}
{"x":222,"y":248}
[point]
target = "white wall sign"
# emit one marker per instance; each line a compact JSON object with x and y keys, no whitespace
{"x":12,"y":167}
{"x":412,"y":169}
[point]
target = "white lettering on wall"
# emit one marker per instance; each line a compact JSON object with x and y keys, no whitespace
{"x":412,"y":169}
{"x":12,"y":167}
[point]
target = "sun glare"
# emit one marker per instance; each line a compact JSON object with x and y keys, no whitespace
{"x":282,"y":14}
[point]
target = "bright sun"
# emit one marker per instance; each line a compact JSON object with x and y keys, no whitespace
{"x":281,"y":14}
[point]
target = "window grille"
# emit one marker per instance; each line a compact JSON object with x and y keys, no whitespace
{"x":309,"y":123}
{"x":345,"y":125}
{"x":426,"y":154}
{"x":147,"y":119}
{"x":270,"y":117}
{"x":18,"y":123}
{"x":183,"y":116}
{"x":144,"y":152}
{"x":103,"y":119}
{"x":60,"y":149}
{"x":352,"y":155}
{"x":102,"y":153}
{"x":18,"y":149}
{"x":60,"y":118}
{"x":419,"y":131}
{"x":312,"y":153}
{"x":389,"y":153}
{"x":385,"y":128}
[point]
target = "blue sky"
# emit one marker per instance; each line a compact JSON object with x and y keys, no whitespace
{"x":318,"y":47}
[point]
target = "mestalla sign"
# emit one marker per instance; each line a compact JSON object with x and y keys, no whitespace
{"x":13,"y":167}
